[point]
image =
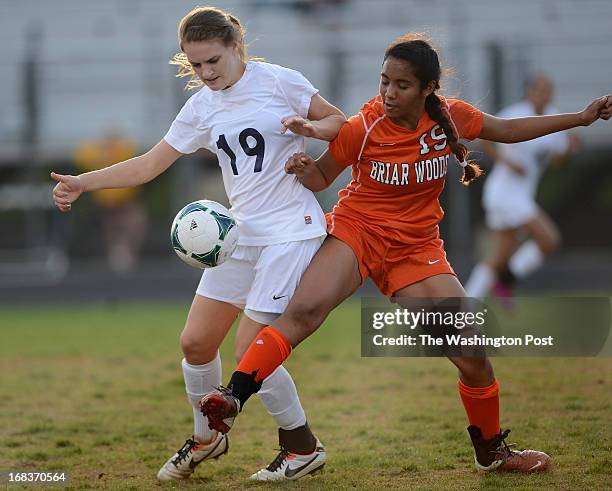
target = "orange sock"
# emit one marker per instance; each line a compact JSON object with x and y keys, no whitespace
{"x":268,"y":350}
{"x":482,"y":407}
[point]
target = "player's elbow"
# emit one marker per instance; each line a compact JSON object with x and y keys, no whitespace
{"x":333,"y":123}
{"x":337,"y":114}
{"x":317,"y":187}
{"x":512,"y":133}
{"x":314,"y":181}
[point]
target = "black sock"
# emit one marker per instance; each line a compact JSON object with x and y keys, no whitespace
{"x":244,"y":386}
{"x":300,"y":440}
{"x":484,"y":449}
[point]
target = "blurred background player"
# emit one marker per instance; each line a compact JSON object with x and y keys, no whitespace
{"x":253,"y":116}
{"x":386,"y":226}
{"x":121,"y":214}
{"x":509,"y":194}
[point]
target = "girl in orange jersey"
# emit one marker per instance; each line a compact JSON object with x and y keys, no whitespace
{"x":385,"y":225}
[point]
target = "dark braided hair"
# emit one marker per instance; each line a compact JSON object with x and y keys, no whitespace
{"x":426,"y":67}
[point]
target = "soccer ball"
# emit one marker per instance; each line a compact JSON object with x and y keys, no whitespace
{"x":204,"y":234}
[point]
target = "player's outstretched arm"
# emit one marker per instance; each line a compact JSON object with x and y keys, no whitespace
{"x":128,"y":173}
{"x":324,"y":121}
{"x":522,"y":129}
{"x":314,"y":175}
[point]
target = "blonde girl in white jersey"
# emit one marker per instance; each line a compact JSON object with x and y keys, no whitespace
{"x":253,"y":115}
{"x":509,"y":191}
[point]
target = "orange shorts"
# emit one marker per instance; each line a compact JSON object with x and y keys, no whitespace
{"x":392,"y":265}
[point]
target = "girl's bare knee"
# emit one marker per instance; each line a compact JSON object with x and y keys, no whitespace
{"x":196,"y":351}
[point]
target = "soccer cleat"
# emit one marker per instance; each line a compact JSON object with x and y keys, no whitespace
{"x":182,"y":464}
{"x":221,"y":408}
{"x":495,"y":454}
{"x":289,"y":466}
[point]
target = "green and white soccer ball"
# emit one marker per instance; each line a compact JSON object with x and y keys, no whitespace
{"x":204,"y":234}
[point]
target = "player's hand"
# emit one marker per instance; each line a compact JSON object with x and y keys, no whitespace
{"x":298,"y":163}
{"x":66,"y":191}
{"x":298,"y":125}
{"x":598,"y":109}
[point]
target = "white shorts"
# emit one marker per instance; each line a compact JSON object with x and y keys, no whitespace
{"x":508,"y":214}
{"x":260,"y":279}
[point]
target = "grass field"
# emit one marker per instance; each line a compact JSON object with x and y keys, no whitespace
{"x":98,"y":392}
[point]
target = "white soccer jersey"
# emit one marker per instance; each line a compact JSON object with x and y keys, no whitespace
{"x":505,"y":185}
{"x":241,"y":125}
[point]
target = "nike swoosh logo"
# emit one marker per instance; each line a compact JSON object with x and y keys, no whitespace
{"x":274,"y":297}
{"x":292,"y":472}
{"x":536,"y":466}
{"x":193,"y":463}
{"x":434,"y":262}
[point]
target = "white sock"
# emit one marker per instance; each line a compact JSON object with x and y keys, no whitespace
{"x":279,"y":395}
{"x":526,"y":260}
{"x":200,"y":379}
{"x":480,"y":282}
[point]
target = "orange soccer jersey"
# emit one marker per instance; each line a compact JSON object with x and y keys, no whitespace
{"x":397,"y":177}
